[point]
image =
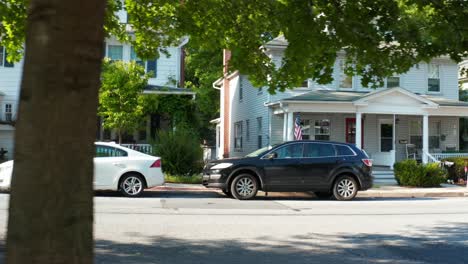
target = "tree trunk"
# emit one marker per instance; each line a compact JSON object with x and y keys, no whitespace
{"x":51,"y":203}
{"x":120,"y":135}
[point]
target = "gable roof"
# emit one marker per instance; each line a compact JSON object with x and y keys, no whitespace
{"x":380,"y":93}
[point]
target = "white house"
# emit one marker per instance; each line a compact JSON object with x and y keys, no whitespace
{"x":168,"y":79}
{"x":416,"y":111}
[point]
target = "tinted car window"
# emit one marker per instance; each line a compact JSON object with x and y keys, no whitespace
{"x":290,"y":151}
{"x":344,"y":150}
{"x":105,"y":151}
{"x":316,"y":150}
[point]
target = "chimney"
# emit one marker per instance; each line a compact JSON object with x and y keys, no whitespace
{"x":226,"y":99}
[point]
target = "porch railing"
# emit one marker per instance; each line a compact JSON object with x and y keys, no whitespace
{"x":145,"y":148}
{"x":441,"y":156}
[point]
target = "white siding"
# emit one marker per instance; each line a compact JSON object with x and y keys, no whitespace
{"x":167,"y":68}
{"x":249,"y":108}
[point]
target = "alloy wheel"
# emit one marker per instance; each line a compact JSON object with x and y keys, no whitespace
{"x":346,"y":188}
{"x":132,"y":185}
{"x":245,"y":187}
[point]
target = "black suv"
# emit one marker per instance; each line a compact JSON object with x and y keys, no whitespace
{"x":324,"y":167}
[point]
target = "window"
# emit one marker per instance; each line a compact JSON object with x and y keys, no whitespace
{"x":260,"y":90}
{"x":241,"y":91}
{"x":346,"y":82}
{"x":416,"y":133}
{"x":134,"y":57}
{"x":343,"y":150}
{"x":290,"y":151}
{"x":386,"y":137}
{"x":317,"y":150}
{"x":393,"y":81}
{"x":8,"y":112}
{"x":305,"y":84}
{"x":105,"y":151}
{"x":151,"y":67}
{"x":115,"y":52}
{"x":434,"y":135}
{"x":238,"y":135}
{"x":433,"y":78}
{"x":247,"y":130}
{"x":322,"y":129}
{"x":259,"y":132}
{"x":3,"y":58}
{"x":305,"y":125}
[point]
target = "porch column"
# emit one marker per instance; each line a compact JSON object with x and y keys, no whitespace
{"x":285,"y":127}
{"x":425,"y":139}
{"x":290,"y":126}
{"x":359,"y":130}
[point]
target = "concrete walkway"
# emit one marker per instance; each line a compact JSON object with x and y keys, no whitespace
{"x":447,"y":190}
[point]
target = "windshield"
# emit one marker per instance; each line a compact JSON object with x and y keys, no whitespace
{"x":258,"y":152}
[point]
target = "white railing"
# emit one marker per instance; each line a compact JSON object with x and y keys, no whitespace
{"x":441,"y":156}
{"x":432,"y":158}
{"x":145,"y":148}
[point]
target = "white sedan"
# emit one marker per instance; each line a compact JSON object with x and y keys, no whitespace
{"x":115,"y":168}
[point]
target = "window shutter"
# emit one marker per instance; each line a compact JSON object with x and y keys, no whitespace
{"x":7,"y":63}
{"x":151,"y":66}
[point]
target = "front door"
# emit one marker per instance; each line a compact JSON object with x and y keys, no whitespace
{"x":385,"y":156}
{"x":351,"y":131}
{"x":282,"y":173}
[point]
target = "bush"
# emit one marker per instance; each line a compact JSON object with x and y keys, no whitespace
{"x":180,"y":152}
{"x":457,"y":171}
{"x":410,"y":173}
{"x":193,"y":179}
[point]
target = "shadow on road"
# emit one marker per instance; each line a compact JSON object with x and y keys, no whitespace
{"x":442,"y":244}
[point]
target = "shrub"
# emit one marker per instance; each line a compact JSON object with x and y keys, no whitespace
{"x":180,"y":152}
{"x":410,"y":173}
{"x":457,"y":171}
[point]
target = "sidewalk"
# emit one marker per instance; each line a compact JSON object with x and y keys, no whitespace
{"x":447,"y":190}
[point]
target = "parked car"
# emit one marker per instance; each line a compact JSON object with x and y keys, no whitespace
{"x":324,"y":167}
{"x":115,"y":168}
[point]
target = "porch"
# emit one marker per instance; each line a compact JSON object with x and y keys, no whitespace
{"x":390,"y":125}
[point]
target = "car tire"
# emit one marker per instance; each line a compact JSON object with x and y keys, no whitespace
{"x":132,"y":185}
{"x":244,"y":187}
{"x":345,"y":188}
{"x":226,"y":192}
{"x":323,"y":195}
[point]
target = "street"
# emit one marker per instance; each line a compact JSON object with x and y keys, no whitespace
{"x":207,"y":227}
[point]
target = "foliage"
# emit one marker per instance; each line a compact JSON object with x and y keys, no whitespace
{"x":180,"y":151}
{"x":379,"y":37}
{"x":121,"y":86}
{"x":457,"y":171}
{"x":410,"y":173}
{"x":203,"y":67}
{"x":191,"y":179}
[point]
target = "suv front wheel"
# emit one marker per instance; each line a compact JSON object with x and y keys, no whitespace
{"x":244,"y":187}
{"x":345,"y":188}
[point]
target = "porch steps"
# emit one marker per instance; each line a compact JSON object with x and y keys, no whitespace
{"x":384,"y":177}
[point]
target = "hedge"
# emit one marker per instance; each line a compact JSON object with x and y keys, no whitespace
{"x":410,"y":173}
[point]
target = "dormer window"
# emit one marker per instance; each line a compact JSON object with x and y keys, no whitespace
{"x":346,"y":82}
{"x":393,"y":81}
{"x":433,"y":81}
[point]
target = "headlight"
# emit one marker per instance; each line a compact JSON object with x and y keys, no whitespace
{"x":221,"y":166}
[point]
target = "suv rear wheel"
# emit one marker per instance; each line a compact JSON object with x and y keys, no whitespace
{"x":345,"y":188}
{"x":244,"y":187}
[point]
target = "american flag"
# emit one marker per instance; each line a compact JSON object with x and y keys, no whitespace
{"x":297,"y":128}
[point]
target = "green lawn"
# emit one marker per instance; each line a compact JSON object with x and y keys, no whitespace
{"x":194,"y":179}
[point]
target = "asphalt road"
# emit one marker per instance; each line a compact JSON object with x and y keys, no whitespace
{"x":206,"y":227}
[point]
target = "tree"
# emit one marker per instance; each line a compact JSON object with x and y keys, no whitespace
{"x":62,"y":65}
{"x":121,"y":86}
{"x":51,"y":205}
{"x":203,"y":67}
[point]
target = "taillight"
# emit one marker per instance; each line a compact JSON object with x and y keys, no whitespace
{"x":367,"y":162}
{"x":156,"y":164}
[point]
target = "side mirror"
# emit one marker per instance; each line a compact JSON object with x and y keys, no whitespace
{"x":272,"y":155}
